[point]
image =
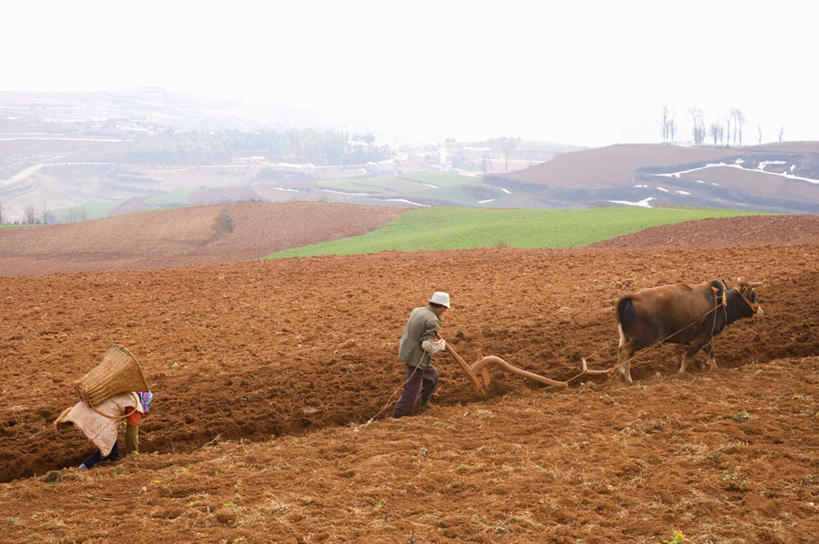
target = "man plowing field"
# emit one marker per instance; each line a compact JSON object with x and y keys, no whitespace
{"x":417,"y":345}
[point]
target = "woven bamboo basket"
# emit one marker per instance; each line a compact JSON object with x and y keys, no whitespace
{"x":119,"y":372}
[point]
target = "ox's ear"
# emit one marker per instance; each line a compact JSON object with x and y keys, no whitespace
{"x":747,"y":289}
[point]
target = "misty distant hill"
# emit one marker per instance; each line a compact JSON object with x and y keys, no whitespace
{"x":782,"y":177}
{"x":68,"y":157}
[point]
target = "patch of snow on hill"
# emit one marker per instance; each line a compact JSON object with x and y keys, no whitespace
{"x":403,"y":200}
{"x":644,"y":203}
{"x":683,"y":193}
{"x":486,"y":201}
{"x":663,"y":189}
{"x":507,"y":191}
{"x":344,"y":193}
{"x":737,"y":166}
{"x":763,"y":164}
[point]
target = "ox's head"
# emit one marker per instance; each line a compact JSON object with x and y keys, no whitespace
{"x":746,"y":290}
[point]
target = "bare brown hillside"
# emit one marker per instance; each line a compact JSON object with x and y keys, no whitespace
{"x":612,"y":165}
{"x":780,"y":178}
{"x":182,"y":237}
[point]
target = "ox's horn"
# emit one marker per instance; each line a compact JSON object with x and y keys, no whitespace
{"x":757,"y":283}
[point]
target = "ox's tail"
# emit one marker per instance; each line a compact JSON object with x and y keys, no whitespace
{"x":626,"y":321}
{"x":626,"y":314}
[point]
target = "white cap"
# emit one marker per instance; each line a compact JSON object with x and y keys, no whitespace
{"x":440,"y":297}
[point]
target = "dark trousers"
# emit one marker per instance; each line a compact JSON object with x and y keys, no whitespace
{"x":96,"y":457}
{"x":424,"y":379}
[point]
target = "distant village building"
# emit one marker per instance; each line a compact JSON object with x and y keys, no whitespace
{"x":306,"y":168}
{"x":389,"y":166}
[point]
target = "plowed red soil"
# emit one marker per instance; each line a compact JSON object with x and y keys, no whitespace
{"x":266,"y":373}
{"x":747,"y":230}
{"x":182,"y":236}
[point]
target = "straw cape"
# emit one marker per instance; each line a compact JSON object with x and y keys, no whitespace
{"x":99,"y":423}
{"x":119,"y":372}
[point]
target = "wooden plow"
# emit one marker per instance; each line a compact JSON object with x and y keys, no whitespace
{"x":478,"y":372}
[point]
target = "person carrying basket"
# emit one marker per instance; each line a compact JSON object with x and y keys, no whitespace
{"x":113,"y":392}
{"x":99,"y":424}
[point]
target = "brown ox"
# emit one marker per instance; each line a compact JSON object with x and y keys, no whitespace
{"x":681,"y":314}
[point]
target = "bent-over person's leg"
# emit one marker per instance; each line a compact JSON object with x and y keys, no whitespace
{"x":96,"y":457}
{"x":132,"y":438}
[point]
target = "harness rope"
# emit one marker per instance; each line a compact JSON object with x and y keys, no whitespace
{"x":389,"y":400}
{"x":752,"y":305}
{"x":117,"y":418}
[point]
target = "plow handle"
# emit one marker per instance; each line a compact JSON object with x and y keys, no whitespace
{"x":466,"y":369}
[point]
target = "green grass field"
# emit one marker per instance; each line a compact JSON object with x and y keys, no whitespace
{"x":177,"y":198}
{"x":92,"y":210}
{"x":100,"y":209}
{"x":451,"y":188}
{"x":465,"y":228}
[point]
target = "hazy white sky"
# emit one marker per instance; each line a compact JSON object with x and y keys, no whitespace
{"x":581,"y":72}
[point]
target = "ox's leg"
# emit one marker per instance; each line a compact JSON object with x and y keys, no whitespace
{"x":712,"y":358}
{"x":624,"y":358}
{"x":689,"y":354}
{"x":624,"y":354}
{"x":684,"y":364}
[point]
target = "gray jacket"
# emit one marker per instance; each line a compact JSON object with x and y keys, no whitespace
{"x":422,"y":324}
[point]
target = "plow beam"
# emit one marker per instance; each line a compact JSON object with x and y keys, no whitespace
{"x":483,"y":364}
{"x":478,"y":372}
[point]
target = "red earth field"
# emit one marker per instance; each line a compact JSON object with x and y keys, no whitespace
{"x":730,"y":231}
{"x":265,"y":375}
